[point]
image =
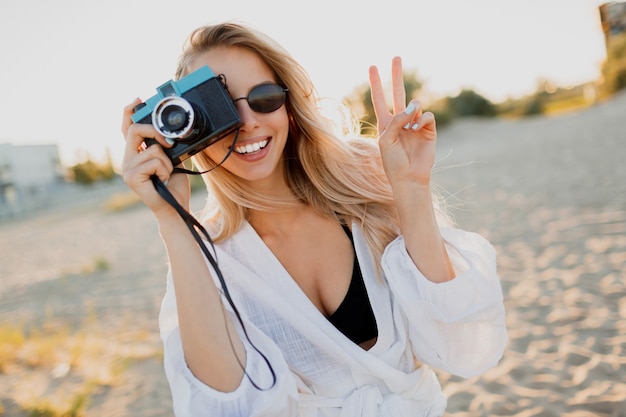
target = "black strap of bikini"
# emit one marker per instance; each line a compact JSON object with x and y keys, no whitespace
{"x":348,"y":232}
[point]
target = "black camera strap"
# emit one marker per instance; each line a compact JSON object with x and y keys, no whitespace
{"x":195,"y":227}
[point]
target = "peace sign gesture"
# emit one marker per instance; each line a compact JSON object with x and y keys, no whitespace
{"x":407,"y":137}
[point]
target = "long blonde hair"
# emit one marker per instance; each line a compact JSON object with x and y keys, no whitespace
{"x":336,"y":177}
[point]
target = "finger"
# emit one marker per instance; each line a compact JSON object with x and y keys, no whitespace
{"x":403,"y":120}
{"x":127,"y":123}
{"x":397,"y":85}
{"x":163,"y":169}
{"x":426,"y":121}
{"x":139,"y":132}
{"x":419,"y":107}
{"x":138,"y":174}
{"x":378,"y":96}
{"x":126,"y":118}
{"x":135,"y":139}
{"x":135,"y":136}
{"x":415,"y":110}
{"x":145,"y":158}
{"x":153,"y":152}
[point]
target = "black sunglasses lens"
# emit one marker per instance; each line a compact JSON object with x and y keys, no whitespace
{"x":266,"y":98}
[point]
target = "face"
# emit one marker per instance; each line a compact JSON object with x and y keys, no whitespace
{"x":258,"y":153}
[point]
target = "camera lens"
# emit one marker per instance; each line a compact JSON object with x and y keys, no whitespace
{"x":174,"y":118}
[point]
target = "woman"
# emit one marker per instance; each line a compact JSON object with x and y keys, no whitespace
{"x":346,"y":276}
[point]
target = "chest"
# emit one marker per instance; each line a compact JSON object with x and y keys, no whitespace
{"x":320,"y":261}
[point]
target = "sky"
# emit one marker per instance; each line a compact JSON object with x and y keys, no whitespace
{"x":68,"y":67}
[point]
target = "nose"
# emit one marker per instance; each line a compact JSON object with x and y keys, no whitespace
{"x":248,"y":117}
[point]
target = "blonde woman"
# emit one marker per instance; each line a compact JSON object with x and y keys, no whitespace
{"x":349,"y":283}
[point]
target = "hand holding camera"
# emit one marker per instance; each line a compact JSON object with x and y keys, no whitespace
{"x":184,"y":117}
{"x":141,"y":163}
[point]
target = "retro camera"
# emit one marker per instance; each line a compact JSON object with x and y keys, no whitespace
{"x":195,"y":111}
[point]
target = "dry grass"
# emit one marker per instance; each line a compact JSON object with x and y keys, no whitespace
{"x":566,"y":105}
{"x":56,"y":371}
{"x":121,"y":201}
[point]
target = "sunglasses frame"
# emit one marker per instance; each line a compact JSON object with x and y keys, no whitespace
{"x":254,"y":107}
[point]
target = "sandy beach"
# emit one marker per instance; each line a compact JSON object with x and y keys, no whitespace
{"x":80,"y":287}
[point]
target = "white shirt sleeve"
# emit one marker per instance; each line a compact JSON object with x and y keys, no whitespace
{"x":456,"y":326}
{"x":192,"y":398}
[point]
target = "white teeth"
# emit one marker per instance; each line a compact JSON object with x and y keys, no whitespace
{"x":251,"y":147}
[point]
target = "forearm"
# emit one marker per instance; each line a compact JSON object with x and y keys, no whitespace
{"x":421,"y":233}
{"x":206,"y":329}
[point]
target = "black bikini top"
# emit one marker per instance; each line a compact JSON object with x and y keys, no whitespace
{"x":354,"y":316}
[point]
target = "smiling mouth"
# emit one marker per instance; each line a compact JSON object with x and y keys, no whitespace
{"x":251,"y":147}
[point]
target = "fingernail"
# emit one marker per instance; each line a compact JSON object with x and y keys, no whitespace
{"x":165,"y":182}
{"x":415,"y":126}
{"x":408,"y":125}
{"x":170,"y":141}
{"x":410,"y":108}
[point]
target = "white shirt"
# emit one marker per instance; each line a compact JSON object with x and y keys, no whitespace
{"x":457,"y":326}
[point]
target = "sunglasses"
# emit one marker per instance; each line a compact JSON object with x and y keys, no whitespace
{"x":265,"y":98}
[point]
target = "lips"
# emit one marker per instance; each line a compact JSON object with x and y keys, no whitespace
{"x":251,"y":147}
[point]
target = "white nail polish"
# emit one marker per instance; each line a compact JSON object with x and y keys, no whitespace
{"x":410,"y":108}
{"x":406,"y":126}
{"x":415,"y":126}
{"x":170,"y":141}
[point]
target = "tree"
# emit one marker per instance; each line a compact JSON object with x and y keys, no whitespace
{"x":470,"y":103}
{"x":614,"y":68}
{"x":361,"y":101}
{"x":88,"y":172}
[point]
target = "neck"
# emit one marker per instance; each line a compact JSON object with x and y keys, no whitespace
{"x":277,"y":221}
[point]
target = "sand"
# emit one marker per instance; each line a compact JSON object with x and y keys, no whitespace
{"x":548,"y":192}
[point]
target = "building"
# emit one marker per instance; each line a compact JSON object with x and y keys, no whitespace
{"x":29,"y":175}
{"x":613,"y":19}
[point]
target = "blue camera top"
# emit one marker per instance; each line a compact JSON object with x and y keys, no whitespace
{"x":173,"y":88}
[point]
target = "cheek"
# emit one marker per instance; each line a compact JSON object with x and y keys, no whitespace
{"x":280,"y":122}
{"x":218,"y":150}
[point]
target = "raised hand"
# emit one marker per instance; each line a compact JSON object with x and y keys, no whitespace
{"x":407,"y":137}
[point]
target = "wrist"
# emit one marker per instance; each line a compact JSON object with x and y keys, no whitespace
{"x":412,"y":190}
{"x":168,"y":220}
{"x":414,"y":202}
{"x":166,"y":213}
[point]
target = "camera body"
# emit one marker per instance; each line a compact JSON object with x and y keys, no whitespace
{"x":195,"y":112}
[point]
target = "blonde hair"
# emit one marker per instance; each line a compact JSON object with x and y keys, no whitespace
{"x":336,"y":177}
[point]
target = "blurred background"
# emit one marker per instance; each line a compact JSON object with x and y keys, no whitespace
{"x":69,"y":67}
{"x":530,"y":102}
